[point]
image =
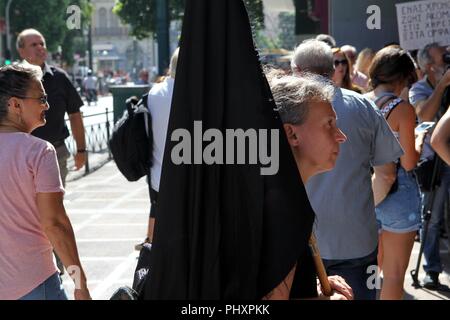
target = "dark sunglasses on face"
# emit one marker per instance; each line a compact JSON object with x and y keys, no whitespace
{"x":42,"y":100}
{"x":338,"y":62}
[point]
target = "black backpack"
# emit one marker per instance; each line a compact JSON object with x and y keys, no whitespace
{"x":131,"y":143}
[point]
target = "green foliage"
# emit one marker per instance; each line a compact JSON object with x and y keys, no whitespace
{"x":255,"y":9}
{"x":74,"y":40}
{"x":141,"y":14}
{"x":287,"y":30}
{"x":263,"y":42}
{"x":49,"y":17}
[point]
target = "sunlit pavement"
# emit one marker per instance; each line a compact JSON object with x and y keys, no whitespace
{"x":109,"y":215}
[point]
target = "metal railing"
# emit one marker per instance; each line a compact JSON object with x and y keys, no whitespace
{"x":97,"y":136}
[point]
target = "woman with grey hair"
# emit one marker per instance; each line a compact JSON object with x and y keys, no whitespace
{"x":309,"y":121}
{"x":33,"y":220}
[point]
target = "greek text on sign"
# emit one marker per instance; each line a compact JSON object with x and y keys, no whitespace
{"x":423,"y":22}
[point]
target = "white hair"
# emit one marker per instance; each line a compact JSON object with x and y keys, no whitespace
{"x":313,"y":56}
{"x":295,"y":95}
{"x":36,"y":69}
{"x":25,"y":33}
{"x":424,"y":57}
{"x":173,"y":63}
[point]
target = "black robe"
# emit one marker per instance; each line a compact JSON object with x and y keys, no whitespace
{"x":226,"y":231}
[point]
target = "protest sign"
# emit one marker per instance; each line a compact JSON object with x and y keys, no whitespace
{"x":423,"y":22}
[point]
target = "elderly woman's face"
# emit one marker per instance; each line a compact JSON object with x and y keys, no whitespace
{"x":33,"y":107}
{"x":319,"y":137}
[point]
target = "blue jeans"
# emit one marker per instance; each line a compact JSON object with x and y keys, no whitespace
{"x":50,"y":289}
{"x":431,"y":246}
{"x":356,"y":273}
{"x":399,"y":212}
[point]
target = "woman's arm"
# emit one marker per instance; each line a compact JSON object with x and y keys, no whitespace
{"x":441,"y":136}
{"x":58,"y":229}
{"x":382,"y":180}
{"x":341,"y":290}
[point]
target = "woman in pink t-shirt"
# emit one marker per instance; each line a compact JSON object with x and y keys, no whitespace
{"x":33,"y":220}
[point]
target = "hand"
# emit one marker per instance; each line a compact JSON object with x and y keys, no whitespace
{"x":82,"y":294}
{"x":445,"y":80}
{"x":421,"y":135}
{"x":337,"y":296}
{"x":420,"y":139}
{"x":341,"y":290}
{"x":80,"y":160}
{"x":339,"y":284}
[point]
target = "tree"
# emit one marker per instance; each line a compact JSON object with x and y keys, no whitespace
{"x":141,"y":14}
{"x":255,"y":9}
{"x":287,"y":30}
{"x":74,"y":40}
{"x":49,"y":17}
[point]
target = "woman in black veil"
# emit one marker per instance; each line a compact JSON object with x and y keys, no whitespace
{"x":225,"y":231}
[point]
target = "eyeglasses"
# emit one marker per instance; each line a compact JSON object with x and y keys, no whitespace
{"x":338,"y":62}
{"x":42,"y":100}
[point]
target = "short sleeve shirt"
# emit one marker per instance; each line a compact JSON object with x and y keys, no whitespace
{"x":342,"y":198}
{"x":62,"y":98}
{"x":28,"y":166}
{"x":421,"y":91}
{"x":159,"y":104}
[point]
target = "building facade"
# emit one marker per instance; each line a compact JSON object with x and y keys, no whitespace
{"x":114,"y":50}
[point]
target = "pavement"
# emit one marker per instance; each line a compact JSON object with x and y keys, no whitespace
{"x":109,"y":216}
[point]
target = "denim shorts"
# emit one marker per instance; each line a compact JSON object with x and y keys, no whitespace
{"x":50,"y":289}
{"x":399,"y":212}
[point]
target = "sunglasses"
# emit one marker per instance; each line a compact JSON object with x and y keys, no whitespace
{"x":42,"y":100}
{"x":338,"y":62}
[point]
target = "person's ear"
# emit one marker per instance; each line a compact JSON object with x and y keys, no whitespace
{"x":21,"y":53}
{"x":291,"y":134}
{"x":14,"y":105}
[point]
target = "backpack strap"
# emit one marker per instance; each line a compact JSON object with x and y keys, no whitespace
{"x":144,"y":102}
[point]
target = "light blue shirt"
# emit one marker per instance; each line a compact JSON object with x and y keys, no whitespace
{"x":159,"y":104}
{"x":342,"y":199}
{"x":421,"y":91}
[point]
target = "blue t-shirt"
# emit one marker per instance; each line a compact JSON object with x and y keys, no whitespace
{"x":342,"y":199}
{"x":421,"y":91}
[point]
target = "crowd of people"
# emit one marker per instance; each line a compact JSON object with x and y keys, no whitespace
{"x":349,"y":120}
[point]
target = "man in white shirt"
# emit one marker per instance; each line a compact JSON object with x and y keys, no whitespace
{"x":159,"y":104}
{"x":90,"y":84}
